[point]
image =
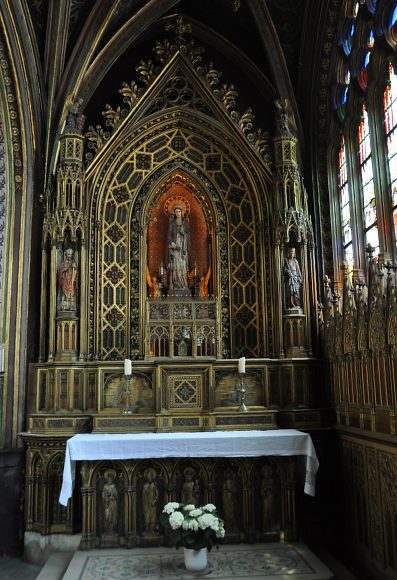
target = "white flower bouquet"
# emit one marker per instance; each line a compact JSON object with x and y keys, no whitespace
{"x":193,"y":527}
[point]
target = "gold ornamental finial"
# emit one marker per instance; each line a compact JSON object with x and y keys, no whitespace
{"x":179,"y":27}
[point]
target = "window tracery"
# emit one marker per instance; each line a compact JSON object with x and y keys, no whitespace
{"x":368,"y":202}
{"x":390,"y":125}
{"x":345,"y":205}
{"x":365,"y":162}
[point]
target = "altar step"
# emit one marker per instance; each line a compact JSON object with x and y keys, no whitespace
{"x":231,"y":562}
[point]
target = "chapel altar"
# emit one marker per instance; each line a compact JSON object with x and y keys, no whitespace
{"x":180,"y":241}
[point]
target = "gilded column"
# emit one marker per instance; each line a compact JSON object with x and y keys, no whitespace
{"x":43,"y":301}
{"x":292,"y":231}
{"x":70,"y":220}
{"x":53,"y":301}
{"x":83,"y":301}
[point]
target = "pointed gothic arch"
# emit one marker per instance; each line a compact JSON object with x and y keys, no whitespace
{"x":240,"y":193}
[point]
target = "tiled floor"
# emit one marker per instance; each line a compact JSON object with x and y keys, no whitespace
{"x":234,"y":562}
{"x":16,"y":569}
{"x":88,"y":563}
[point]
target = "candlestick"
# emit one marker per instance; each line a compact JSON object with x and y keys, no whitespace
{"x":127,"y":367}
{"x":241,"y":364}
{"x":241,"y":390}
{"x":128,"y":409}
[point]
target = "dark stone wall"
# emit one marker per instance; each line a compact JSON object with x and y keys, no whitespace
{"x":11,"y":501}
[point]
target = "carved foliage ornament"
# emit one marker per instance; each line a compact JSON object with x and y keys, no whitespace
{"x":178,"y":92}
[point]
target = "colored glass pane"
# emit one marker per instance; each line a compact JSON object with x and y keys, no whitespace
{"x":348,"y":39}
{"x":344,"y":198}
{"x":390,"y":124}
{"x":393,"y":17}
{"x":367,"y":182}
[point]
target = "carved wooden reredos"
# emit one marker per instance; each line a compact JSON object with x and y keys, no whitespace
{"x":176,"y":158}
{"x":185,"y":145}
{"x":178,"y":141}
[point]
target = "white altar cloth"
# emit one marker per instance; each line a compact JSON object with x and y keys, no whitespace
{"x":281,"y":442}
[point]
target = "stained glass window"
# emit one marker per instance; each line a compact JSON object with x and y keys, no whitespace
{"x":390,"y":123}
{"x":345,"y":205}
{"x":393,"y":17}
{"x":367,"y":183}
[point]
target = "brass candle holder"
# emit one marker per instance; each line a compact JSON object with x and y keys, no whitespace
{"x":241,"y":390}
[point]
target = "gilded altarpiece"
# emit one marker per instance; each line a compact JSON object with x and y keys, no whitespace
{"x":177,"y":153}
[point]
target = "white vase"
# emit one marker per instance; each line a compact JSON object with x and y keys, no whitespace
{"x":195,"y":560}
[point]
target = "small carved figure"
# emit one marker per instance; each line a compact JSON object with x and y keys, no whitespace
{"x":154,"y":286}
{"x":203,"y":287}
{"x":190,"y":488}
{"x":267,"y":496}
{"x":178,"y":242}
{"x":68,"y":280}
{"x":228,"y":502}
{"x":283,"y":118}
{"x":75,"y":119}
{"x":293,"y":278}
{"x":110,"y":501}
{"x":150,"y":496}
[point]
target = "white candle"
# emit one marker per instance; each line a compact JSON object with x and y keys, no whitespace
{"x":127,"y":366}
{"x":241,"y":364}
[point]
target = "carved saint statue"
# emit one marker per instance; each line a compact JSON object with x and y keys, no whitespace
{"x":110,"y":501}
{"x":68,"y":281}
{"x":75,"y":119}
{"x":284,"y":118}
{"x":178,"y":244}
{"x":267,"y":492}
{"x":293,"y":278}
{"x":150,"y":496}
{"x":228,"y":503}
{"x":190,"y":488}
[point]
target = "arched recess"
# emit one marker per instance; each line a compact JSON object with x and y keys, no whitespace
{"x":180,"y":189}
{"x":238,"y":184}
{"x":211,"y":217}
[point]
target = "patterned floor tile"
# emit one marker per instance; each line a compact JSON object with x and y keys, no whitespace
{"x":259,"y":561}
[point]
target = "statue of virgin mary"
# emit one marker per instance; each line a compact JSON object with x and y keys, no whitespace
{"x":178,"y":244}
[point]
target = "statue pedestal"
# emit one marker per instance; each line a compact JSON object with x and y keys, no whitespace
{"x":294,"y":329}
{"x":180,"y":292}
